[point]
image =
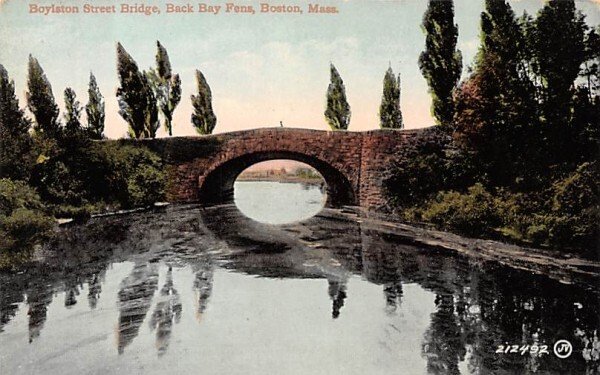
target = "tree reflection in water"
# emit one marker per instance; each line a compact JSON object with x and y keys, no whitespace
{"x":39,"y":298}
{"x":203,"y":283}
{"x":135,"y":297}
{"x":71,"y":292}
{"x":94,"y":283}
{"x":337,"y":293}
{"x":168,"y":310}
{"x":478,"y":305}
{"x":443,"y":345}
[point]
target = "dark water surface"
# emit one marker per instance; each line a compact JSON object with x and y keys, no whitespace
{"x":191,"y":290}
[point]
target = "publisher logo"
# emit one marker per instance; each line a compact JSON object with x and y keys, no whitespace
{"x":563,"y":349}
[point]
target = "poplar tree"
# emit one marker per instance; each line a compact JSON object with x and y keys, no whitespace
{"x":203,"y":117}
{"x":95,"y":110}
{"x":441,"y":62}
{"x":72,"y":112}
{"x":558,"y":43}
{"x":167,"y":86}
{"x":389,"y":112}
{"x":40,"y":101}
{"x":15,"y":141}
{"x":137,"y":102}
{"x":495,"y":106}
{"x":337,"y":112}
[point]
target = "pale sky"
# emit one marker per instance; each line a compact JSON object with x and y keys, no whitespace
{"x":262,"y":68}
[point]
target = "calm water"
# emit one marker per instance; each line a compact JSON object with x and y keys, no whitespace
{"x":189,"y":290}
{"x":278,"y":202}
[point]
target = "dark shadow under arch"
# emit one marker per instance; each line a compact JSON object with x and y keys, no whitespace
{"x":217,"y":187}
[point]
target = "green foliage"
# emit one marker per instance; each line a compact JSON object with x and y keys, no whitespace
{"x":59,"y":174}
{"x":563,"y":216}
{"x":16,"y":156}
{"x":575,"y":202}
{"x":16,"y":194}
{"x":137,"y":103}
{"x":307,"y":173}
{"x":40,"y":101}
{"x":95,"y":175}
{"x":495,"y":107}
{"x":133,"y":175}
{"x":163,"y":64}
{"x":145,"y":185}
{"x":557,"y":42}
{"x":22,"y":221}
{"x":472,"y":213}
{"x":428,"y":165}
{"x":95,"y":110}
{"x":166,"y":86}
{"x":337,"y":112}
{"x":441,"y":62}
{"x":72,"y":112}
{"x":58,"y":181}
{"x":203,"y":118}
{"x":389,"y":111}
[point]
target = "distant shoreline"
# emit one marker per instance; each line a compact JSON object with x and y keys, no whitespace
{"x":282,"y":178}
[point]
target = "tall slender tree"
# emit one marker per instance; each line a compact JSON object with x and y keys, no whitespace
{"x":166,"y":85}
{"x":563,"y":44}
{"x":337,"y":112}
{"x":95,"y":110}
{"x":495,"y":107}
{"x":72,"y":112}
{"x":137,"y":102}
{"x":390,"y":113}
{"x":559,"y":50}
{"x":40,"y":101}
{"x":441,"y":62}
{"x":15,"y":141}
{"x":203,"y":118}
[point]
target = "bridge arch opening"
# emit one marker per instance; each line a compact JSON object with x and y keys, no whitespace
{"x":279,"y":192}
{"x":217,"y":185}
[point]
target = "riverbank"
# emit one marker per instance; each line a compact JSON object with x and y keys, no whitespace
{"x":563,"y":267}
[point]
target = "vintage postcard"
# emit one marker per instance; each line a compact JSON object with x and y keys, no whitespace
{"x":299,"y":187}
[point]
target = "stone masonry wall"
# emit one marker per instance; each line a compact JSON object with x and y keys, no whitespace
{"x":362,"y":157}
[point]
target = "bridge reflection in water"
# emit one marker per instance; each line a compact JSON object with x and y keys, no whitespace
{"x":206,"y":280}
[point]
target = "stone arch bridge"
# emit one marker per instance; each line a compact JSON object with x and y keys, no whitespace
{"x":353,"y":164}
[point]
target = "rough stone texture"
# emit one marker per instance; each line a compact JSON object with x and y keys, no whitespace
{"x":353,"y":163}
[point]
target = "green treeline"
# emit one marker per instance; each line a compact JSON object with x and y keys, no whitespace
{"x":51,"y":166}
{"x":515,"y":155}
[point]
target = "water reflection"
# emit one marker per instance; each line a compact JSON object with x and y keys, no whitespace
{"x":185,"y":258}
{"x":203,"y":282}
{"x":337,"y":293}
{"x":168,"y":311}
{"x":94,"y":283}
{"x":135,"y":298}
{"x":279,"y":202}
{"x":38,"y":299}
